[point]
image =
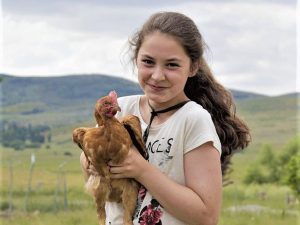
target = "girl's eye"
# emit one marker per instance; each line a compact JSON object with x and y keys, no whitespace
{"x":147,"y":61}
{"x":172,"y":65}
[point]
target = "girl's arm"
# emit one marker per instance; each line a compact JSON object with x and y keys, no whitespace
{"x":86,"y":167}
{"x":196,"y":203}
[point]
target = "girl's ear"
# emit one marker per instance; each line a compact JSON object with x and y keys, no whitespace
{"x":194,"y":69}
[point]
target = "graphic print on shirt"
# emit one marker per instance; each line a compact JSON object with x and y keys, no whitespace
{"x":141,"y":195}
{"x":151,"y":214}
{"x":161,"y":148}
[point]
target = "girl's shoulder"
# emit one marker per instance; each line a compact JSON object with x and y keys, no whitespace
{"x":194,"y":110}
{"x":199,"y":127}
{"x":128,"y":104}
{"x":130,"y":99}
{"x":194,"y":116}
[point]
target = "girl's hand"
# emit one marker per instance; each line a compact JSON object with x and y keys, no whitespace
{"x":87,"y":168}
{"x":134,"y":166}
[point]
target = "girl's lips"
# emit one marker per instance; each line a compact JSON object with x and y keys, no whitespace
{"x":156,"y":88}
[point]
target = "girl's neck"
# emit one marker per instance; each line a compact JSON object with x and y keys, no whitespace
{"x":146,"y":108}
{"x":157,"y":106}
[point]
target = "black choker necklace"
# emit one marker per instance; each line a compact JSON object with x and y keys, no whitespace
{"x":155,"y":113}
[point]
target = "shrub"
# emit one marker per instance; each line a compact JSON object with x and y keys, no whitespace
{"x":254,"y":175}
{"x":292,"y":177}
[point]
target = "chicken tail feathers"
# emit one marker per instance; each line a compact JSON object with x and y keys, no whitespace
{"x":136,"y":143}
{"x":133,"y":127}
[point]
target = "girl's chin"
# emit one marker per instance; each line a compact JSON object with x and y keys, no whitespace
{"x":156,"y":98}
{"x":152,"y":96}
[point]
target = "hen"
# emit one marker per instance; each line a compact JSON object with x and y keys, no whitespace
{"x":110,"y":141}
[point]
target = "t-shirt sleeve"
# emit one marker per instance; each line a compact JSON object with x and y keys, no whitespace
{"x":122,"y":103}
{"x":200,"y":129}
{"x":127,"y":105}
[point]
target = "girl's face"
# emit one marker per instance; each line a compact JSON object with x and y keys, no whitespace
{"x":163,"y":69}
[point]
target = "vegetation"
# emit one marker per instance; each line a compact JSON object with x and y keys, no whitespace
{"x":19,"y":136}
{"x":58,"y":92}
{"x":293,"y":174}
{"x":278,"y":169}
{"x":56,"y":192}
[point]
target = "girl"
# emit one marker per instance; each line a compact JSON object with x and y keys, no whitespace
{"x":189,"y":123}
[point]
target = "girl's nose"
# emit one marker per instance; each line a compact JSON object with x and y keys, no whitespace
{"x":158,"y":74}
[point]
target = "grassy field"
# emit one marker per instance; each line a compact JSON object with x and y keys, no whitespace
{"x":47,"y":202}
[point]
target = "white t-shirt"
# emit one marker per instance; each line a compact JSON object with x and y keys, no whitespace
{"x":189,"y":127}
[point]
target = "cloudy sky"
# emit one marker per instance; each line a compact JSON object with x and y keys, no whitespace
{"x":252,"y":43}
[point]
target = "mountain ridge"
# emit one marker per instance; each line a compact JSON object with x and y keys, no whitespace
{"x":60,"y":90}
{"x":63,"y":103}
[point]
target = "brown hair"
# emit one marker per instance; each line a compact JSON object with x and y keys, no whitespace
{"x":201,"y":88}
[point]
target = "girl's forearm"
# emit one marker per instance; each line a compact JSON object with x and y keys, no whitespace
{"x":84,"y":166}
{"x":179,"y":200}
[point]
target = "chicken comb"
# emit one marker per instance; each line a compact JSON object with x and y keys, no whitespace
{"x":113,"y":96}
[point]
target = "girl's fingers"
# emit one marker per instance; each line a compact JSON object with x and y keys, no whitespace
{"x":116,"y":173}
{"x":117,"y":176}
{"x":111,"y":164}
{"x":115,"y":169}
{"x":83,"y":161}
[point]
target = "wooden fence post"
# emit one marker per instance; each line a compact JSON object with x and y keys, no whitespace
{"x":11,"y":182}
{"x":61,"y":177}
{"x":29,"y":181}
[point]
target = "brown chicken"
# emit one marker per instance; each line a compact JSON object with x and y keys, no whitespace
{"x":110,"y":141}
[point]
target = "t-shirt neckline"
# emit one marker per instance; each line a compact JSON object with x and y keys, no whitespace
{"x":158,"y":126}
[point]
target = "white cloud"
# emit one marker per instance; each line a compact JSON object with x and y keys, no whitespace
{"x":1,"y":35}
{"x":37,"y":48}
{"x":253,"y":46}
{"x":298,"y":50}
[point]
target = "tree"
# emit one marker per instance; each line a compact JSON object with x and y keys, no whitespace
{"x":268,"y":159}
{"x":282,"y":168}
{"x":292,"y":166}
{"x":18,"y":136}
{"x":290,"y":150}
{"x":254,"y":175}
{"x":293,"y":174}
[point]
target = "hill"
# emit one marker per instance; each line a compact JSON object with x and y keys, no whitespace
{"x":67,"y":100}
{"x":63,"y":100}
{"x":272,"y":119}
{"x":57,"y":101}
{"x":62,"y":91}
{"x":66,"y":90}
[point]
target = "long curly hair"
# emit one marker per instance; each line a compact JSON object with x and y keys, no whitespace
{"x":202,"y":87}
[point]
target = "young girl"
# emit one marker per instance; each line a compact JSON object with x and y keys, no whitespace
{"x":189,"y":125}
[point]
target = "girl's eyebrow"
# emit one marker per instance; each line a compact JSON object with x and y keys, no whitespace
{"x":173,"y":59}
{"x":147,"y":56}
{"x":168,"y":60}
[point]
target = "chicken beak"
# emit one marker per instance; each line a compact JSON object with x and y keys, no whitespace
{"x":115,"y":109}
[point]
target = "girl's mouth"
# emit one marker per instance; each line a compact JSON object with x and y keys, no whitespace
{"x":156,"y":88}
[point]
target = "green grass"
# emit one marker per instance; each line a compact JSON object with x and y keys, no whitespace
{"x":46,"y":200}
{"x":271,"y":120}
{"x":72,"y":217}
{"x":258,"y":204}
{"x":45,"y":207}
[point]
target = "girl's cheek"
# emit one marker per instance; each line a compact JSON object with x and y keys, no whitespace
{"x":144,"y":72}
